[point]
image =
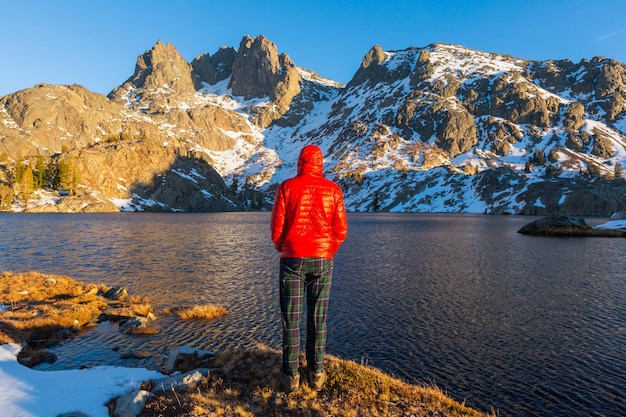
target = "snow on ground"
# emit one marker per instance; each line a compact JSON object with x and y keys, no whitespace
{"x":612,"y":224}
{"x":314,"y":77}
{"x":25,"y":392}
{"x":124,"y":204}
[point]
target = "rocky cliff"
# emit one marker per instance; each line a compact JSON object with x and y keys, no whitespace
{"x":440,"y":128}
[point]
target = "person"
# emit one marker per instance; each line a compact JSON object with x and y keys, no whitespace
{"x":308,"y":224}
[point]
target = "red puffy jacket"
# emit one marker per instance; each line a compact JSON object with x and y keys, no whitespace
{"x":309,"y":216}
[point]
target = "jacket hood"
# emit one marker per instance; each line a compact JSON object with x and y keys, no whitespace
{"x":311,"y":161}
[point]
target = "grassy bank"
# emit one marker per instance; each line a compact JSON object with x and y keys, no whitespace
{"x":40,"y":310}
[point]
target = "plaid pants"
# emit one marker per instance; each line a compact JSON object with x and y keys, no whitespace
{"x":315,"y":276}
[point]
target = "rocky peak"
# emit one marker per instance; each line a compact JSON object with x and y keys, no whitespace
{"x":369,"y":69}
{"x":259,"y":71}
{"x":256,"y":68}
{"x":160,"y":69}
{"x":375,"y":56}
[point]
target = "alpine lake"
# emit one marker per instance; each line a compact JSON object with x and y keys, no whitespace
{"x":522,"y":325}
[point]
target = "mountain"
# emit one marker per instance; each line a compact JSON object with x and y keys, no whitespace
{"x":441,"y":128}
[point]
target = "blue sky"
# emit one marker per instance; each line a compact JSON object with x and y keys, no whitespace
{"x":96,"y":43}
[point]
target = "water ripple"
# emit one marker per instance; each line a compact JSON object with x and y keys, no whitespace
{"x":526,"y":326}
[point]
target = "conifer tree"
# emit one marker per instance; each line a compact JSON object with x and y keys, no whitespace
{"x":528,"y":166}
{"x":375,"y":203}
{"x":6,"y":196}
{"x":19,"y":170}
{"x":40,"y":172}
{"x":67,"y":175}
{"x":26,"y":185}
{"x":539,"y":157}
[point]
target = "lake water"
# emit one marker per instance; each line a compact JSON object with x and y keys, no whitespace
{"x":526,"y":326}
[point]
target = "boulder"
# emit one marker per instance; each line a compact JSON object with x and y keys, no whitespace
{"x":115,"y":293}
{"x":574,"y":116}
{"x":182,"y":381}
{"x":131,"y":404}
{"x":179,"y":358}
{"x":137,"y":325}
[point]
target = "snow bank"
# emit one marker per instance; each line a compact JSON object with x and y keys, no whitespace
{"x":25,"y":392}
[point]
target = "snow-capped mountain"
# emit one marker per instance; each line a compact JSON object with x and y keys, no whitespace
{"x":436,"y":129}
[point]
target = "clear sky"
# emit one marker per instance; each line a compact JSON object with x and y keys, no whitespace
{"x":96,"y":43}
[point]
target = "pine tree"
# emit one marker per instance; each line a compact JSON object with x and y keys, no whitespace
{"x":375,"y":203}
{"x":539,"y":157}
{"x":19,"y":170}
{"x":260,"y":201}
{"x":6,"y":196}
{"x":67,"y":176}
{"x":26,"y":185}
{"x":234,"y":185}
{"x":40,"y":172}
{"x":528,"y":166}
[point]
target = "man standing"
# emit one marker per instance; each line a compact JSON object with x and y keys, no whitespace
{"x":308,"y":225}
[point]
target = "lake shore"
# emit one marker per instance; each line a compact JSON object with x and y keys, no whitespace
{"x":240,"y":383}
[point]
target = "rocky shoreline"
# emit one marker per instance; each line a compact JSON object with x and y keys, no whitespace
{"x":195,"y":382}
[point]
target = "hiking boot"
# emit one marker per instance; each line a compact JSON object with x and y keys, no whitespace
{"x":290,"y":383}
{"x":316,"y":380}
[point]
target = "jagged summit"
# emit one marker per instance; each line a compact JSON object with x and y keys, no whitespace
{"x":161,"y":69}
{"x":435,"y":128}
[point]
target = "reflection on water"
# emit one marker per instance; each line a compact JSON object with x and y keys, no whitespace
{"x":523,"y":325}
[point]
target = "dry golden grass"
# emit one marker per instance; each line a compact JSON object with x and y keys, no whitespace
{"x":129,"y":307}
{"x":246,"y":384}
{"x":33,"y":286}
{"x":40,"y":309}
{"x":197,"y":312}
{"x":140,"y":306}
{"x":39,"y":306}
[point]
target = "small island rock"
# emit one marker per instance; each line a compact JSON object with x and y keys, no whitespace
{"x":567,"y":226}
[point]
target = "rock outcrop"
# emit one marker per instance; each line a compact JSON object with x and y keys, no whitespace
{"x":189,"y":185}
{"x":258,"y":71}
{"x":161,"y":69}
{"x":48,"y":118}
{"x":567,"y":226}
{"x":370,"y":70}
{"x":76,"y":204}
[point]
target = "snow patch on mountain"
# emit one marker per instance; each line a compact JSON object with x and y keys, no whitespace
{"x":469,"y":64}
